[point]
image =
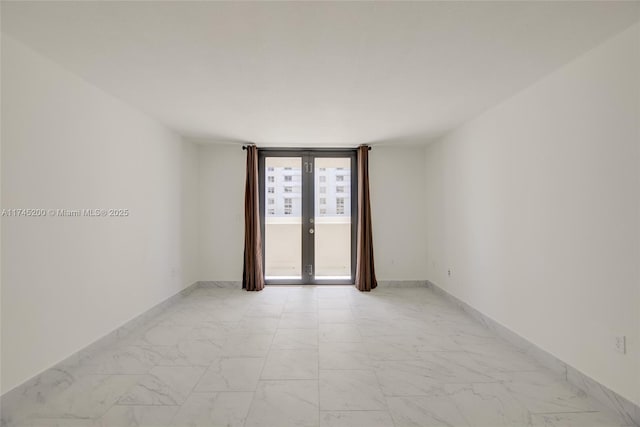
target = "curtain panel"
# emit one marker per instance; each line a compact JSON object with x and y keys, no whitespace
{"x":365,"y":279}
{"x":252,"y":277}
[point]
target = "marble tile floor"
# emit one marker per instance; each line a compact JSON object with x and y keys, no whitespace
{"x":313,"y":356}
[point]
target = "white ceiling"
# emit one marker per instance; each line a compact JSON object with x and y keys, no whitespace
{"x":300,"y":73}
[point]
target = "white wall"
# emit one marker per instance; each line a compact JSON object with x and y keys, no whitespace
{"x":397,"y":177}
{"x":221,"y":177}
{"x":397,"y":194}
{"x":1,"y":275}
{"x":68,"y":281}
{"x":535,"y":206}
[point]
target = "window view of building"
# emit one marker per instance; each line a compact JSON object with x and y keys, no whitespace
{"x":283,"y":178}
{"x":288,"y":206}
{"x":335,"y":197}
{"x":285,"y":187}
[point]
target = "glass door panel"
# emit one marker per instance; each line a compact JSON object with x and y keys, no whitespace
{"x":283,"y":218}
{"x":307,"y":206}
{"x":332,"y":218}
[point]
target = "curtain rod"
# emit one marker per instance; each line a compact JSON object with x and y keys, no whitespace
{"x":244,"y":147}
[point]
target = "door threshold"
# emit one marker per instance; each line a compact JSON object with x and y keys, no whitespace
{"x":311,"y":284}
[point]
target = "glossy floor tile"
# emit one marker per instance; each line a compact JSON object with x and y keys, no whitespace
{"x":312,"y":356}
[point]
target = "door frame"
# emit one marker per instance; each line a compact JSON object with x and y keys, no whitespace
{"x":308,"y":155}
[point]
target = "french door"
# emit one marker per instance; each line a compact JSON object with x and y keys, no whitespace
{"x":308,"y":213}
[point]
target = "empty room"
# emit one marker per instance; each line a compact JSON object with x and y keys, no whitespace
{"x":320,"y":214}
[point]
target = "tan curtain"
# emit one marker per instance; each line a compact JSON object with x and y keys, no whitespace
{"x":252,"y":277}
{"x":365,"y":271}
